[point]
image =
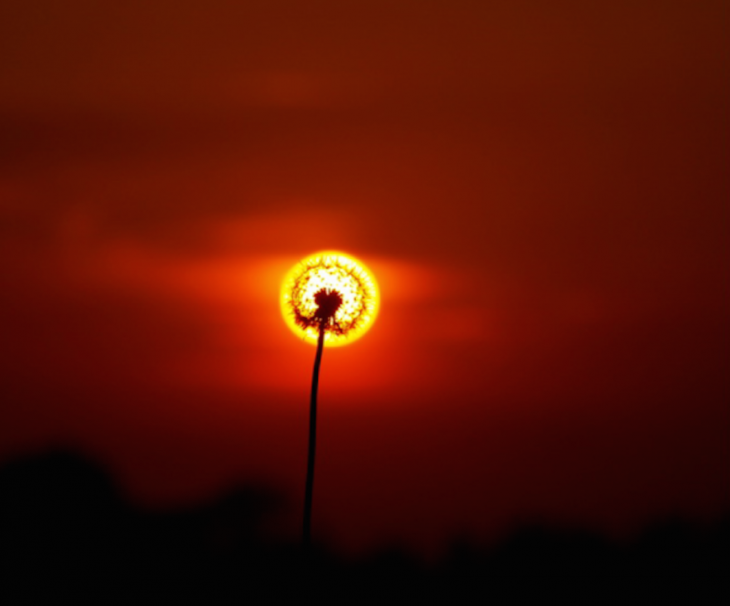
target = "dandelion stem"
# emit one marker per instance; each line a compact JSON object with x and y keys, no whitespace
{"x":307,"y":535}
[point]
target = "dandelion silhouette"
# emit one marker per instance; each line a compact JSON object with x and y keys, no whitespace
{"x":331,"y":299}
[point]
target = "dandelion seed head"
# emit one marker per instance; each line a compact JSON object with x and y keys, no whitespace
{"x":330,"y":289}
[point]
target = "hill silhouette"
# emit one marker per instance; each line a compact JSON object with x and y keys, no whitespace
{"x":66,"y":532}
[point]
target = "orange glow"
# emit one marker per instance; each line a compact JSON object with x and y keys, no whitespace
{"x":337,"y":272}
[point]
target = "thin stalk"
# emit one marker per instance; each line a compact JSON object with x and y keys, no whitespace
{"x":307,"y":535}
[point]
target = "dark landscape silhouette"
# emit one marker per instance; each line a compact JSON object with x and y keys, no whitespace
{"x":66,"y":532}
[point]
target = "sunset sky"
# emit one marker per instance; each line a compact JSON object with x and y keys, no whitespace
{"x":541,"y":189}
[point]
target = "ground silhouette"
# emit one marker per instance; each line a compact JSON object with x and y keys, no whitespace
{"x":67,"y":533}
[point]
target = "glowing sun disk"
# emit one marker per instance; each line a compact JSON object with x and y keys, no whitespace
{"x":352,"y":292}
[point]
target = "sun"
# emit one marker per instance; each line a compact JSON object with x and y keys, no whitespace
{"x":333,"y":288}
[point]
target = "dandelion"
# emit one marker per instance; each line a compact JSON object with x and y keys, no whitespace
{"x":336,"y":273}
{"x":329,"y":299}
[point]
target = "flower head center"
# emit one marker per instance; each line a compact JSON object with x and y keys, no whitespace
{"x":328,"y":302}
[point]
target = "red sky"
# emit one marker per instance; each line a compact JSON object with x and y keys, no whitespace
{"x":540,"y":188}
